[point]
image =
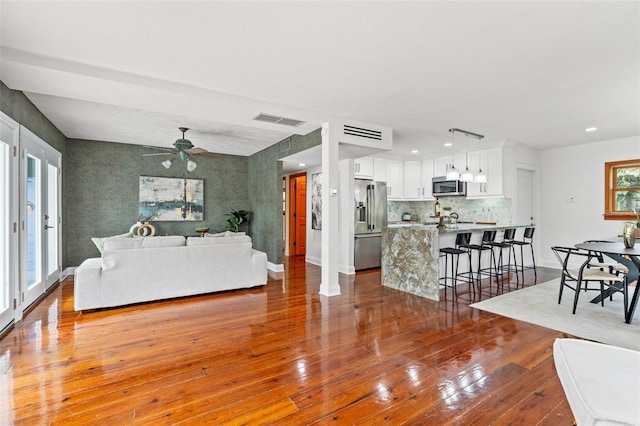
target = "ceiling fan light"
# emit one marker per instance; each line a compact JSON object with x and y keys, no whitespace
{"x":166,"y":164}
{"x":191,"y":165}
{"x":466,"y":176}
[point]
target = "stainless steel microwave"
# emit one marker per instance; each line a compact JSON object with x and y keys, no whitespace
{"x":448,"y":188}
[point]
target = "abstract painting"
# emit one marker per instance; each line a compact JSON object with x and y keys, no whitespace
{"x":316,"y":201}
{"x":171,"y":199}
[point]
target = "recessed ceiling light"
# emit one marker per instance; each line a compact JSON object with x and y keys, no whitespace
{"x":414,"y":151}
{"x":448,"y":144}
{"x":590,"y":129}
{"x":302,"y":164}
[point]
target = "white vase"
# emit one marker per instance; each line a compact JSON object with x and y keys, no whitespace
{"x":629,"y":234}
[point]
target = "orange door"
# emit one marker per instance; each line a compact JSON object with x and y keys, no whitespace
{"x":297,"y":214}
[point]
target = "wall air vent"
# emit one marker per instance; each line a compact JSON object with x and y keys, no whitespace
{"x":268,"y":118}
{"x":361,"y":132}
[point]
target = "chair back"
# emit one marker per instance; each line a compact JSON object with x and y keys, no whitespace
{"x":509,"y":234}
{"x":488,"y":236}
{"x":463,"y":239}
{"x":528,"y":233}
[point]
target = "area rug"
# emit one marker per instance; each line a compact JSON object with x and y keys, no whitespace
{"x":538,"y":305}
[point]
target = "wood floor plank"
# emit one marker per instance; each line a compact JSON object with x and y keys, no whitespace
{"x":280,"y":354}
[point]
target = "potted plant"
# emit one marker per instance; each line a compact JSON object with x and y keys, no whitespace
{"x":236,"y":217}
{"x":447,"y":210}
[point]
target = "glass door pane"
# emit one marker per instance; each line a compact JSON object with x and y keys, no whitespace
{"x":8,"y":220}
{"x":5,"y":229}
{"x":33,"y":221}
{"x":52,"y":224}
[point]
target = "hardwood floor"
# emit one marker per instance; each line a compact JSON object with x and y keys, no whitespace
{"x":281,"y":354}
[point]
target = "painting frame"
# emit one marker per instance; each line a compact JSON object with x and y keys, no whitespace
{"x":165,"y":199}
{"x":316,"y":201}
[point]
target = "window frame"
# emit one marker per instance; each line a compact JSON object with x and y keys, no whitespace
{"x":609,"y":181}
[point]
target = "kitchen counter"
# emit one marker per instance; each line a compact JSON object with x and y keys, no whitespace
{"x":411,"y":253}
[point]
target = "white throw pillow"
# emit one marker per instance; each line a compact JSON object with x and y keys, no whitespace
{"x":198,"y":241}
{"x":99,"y":242}
{"x":234,"y":234}
{"x":219,"y":234}
{"x":146,"y":242}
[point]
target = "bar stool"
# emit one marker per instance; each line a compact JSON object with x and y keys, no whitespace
{"x":527,"y":240}
{"x":488,"y":238}
{"x":507,"y":243}
{"x":462,"y":241}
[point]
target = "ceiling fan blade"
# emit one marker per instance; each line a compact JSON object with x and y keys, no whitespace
{"x":196,"y":150}
{"x":161,"y":148}
{"x":157,"y":153}
{"x":212,"y":155}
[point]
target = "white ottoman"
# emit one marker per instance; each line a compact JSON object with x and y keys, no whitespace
{"x":601,"y":382}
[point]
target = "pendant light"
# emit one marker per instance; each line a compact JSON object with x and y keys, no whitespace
{"x":481,"y":176}
{"x":466,"y":175}
{"x":452,"y":172}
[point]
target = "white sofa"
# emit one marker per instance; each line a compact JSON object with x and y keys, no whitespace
{"x":601,"y":382}
{"x":133,"y":270}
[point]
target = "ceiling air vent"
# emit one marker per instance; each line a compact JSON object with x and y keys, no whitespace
{"x":268,"y":118}
{"x":361,"y":132}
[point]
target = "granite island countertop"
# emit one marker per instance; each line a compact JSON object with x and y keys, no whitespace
{"x":410,"y":254}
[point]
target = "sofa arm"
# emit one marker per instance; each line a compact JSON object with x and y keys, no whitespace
{"x":258,"y":267}
{"x":86,"y":287}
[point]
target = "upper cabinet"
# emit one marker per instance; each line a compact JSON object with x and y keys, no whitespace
{"x":442,"y":164}
{"x":389,"y":171}
{"x":418,"y":175}
{"x":363,"y":167}
{"x":490,"y":161}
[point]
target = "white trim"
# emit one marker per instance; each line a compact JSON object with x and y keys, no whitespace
{"x":275,"y":267}
{"x":67,"y":272}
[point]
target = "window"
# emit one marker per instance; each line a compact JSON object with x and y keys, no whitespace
{"x":622,"y":190}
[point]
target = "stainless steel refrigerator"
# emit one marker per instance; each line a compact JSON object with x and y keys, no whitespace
{"x":370,"y":218}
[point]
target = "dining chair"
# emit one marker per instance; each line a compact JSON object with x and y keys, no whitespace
{"x":580,"y":277}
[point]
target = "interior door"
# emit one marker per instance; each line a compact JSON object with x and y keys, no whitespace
{"x":297,"y":214}
{"x":8,"y":220}
{"x":39,"y":216}
{"x":525,"y":197}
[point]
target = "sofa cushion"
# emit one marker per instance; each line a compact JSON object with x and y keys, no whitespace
{"x":219,"y":234}
{"x":99,"y":242}
{"x":145,"y":242}
{"x":233,"y":234}
{"x":600,"y":381}
{"x":198,"y":241}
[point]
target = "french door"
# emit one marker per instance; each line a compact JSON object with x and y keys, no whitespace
{"x":9,"y":131}
{"x":40,"y":218}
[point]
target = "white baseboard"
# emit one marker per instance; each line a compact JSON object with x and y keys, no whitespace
{"x":343,"y":269}
{"x":275,"y":267}
{"x":68,"y":272}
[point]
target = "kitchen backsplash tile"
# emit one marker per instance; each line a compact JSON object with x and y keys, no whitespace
{"x":472,"y":210}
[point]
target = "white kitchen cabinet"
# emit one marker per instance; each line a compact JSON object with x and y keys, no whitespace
{"x":394,"y":180}
{"x":428,"y":170}
{"x":412,"y":180}
{"x":363,"y":167}
{"x":490,"y":160}
{"x":389,"y":171}
{"x":442,"y":164}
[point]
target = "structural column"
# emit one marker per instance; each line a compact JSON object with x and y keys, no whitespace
{"x":329,"y":285}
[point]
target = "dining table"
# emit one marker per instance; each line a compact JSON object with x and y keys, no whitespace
{"x":629,"y":257}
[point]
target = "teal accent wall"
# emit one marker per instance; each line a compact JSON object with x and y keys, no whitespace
{"x":265,"y":193}
{"x":103,"y":185}
{"x":17,"y":106}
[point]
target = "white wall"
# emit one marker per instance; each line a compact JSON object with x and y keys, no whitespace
{"x":577,"y":171}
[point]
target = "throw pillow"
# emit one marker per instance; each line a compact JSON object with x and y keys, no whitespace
{"x":219,"y":234}
{"x":99,"y":242}
{"x":234,"y":234}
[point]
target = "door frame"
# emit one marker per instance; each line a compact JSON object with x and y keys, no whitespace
{"x":290,"y":203}
{"x":13,"y":282}
{"x":46,"y":154}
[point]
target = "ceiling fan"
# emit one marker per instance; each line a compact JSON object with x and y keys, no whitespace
{"x":183,"y":148}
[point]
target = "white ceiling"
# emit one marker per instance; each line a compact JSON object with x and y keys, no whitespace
{"x":536,"y":73}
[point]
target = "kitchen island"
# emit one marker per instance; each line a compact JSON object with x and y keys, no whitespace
{"x":411,"y":253}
